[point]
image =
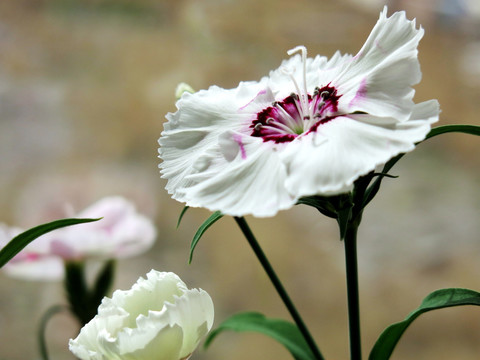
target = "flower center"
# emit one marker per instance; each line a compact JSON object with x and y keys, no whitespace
{"x":287,"y":119}
{"x":298,"y":113}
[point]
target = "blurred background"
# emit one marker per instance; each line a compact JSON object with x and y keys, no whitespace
{"x":84,"y":87}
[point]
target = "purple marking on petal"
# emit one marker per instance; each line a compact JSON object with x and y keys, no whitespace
{"x":361,"y":92}
{"x":238,"y":139}
{"x":382,"y":50}
{"x":32,"y":257}
{"x":359,"y":55}
{"x":262,"y":92}
{"x":320,"y":122}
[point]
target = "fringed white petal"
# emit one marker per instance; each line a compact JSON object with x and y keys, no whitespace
{"x":379,"y":78}
{"x":242,"y":151}
{"x":251,"y":183}
{"x":329,"y":161}
{"x":190,"y":136}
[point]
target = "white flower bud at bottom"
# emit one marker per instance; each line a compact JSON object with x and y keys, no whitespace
{"x":158,"y":318}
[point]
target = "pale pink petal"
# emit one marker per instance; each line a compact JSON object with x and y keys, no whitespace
{"x":36,"y":268}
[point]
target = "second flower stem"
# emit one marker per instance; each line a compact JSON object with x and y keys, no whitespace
{"x":353,"y":291}
{"x":247,"y":232}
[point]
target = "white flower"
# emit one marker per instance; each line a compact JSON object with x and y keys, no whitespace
{"x":159,"y":318}
{"x":122,"y":232}
{"x":312,"y":127}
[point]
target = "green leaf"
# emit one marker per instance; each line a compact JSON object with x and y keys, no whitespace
{"x":20,"y":241}
{"x":466,"y":129}
{"x":217,"y":215}
{"x":383,"y":348}
{"x":184,"y":210}
{"x":280,"y":330}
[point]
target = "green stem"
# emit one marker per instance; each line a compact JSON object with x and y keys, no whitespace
{"x":247,"y":232}
{"x":42,"y":342}
{"x":352,"y":291}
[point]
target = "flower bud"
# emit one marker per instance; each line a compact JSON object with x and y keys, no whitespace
{"x":181,"y":88}
{"x":158,"y":318}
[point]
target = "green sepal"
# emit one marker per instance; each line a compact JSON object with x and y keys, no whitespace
{"x":84,"y":300}
{"x":338,"y":207}
{"x":76,"y":290}
{"x":444,"y":298}
{"x":103,"y":284}
{"x":184,"y":210}
{"x":321,"y":203}
{"x":217,"y":215}
{"x":345,"y":214}
{"x":20,"y":241}
{"x":286,"y":333}
{"x":328,"y":205}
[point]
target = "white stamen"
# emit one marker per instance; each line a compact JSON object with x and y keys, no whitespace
{"x":303,"y":50}
{"x":288,"y":118}
{"x":279,"y":126}
{"x":279,"y":131}
{"x":257,"y":126}
{"x":290,"y":75}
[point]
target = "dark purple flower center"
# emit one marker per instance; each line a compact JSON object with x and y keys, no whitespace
{"x":294,"y":115}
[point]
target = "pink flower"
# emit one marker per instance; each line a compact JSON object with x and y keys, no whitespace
{"x":121,"y":233}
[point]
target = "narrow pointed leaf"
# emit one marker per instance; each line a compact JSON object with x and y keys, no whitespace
{"x":466,"y":129}
{"x":184,"y":210}
{"x":383,"y":348}
{"x":284,"y":332}
{"x":20,"y":241}
{"x":217,"y":215}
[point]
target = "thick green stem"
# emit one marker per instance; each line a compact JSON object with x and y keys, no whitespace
{"x":247,"y":232}
{"x":352,"y":291}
